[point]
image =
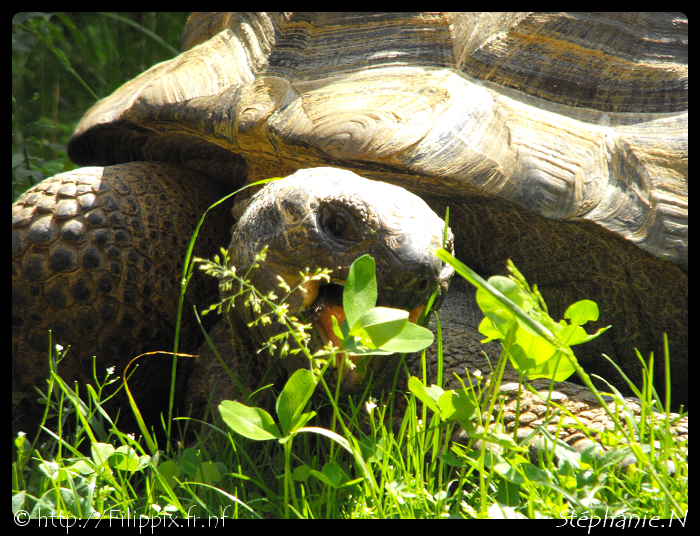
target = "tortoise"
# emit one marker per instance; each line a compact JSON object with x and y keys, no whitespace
{"x":557,"y":140}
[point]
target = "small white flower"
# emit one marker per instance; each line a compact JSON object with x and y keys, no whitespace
{"x":370,"y":405}
{"x":59,"y":348}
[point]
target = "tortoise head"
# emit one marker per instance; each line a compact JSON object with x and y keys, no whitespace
{"x":327,"y":218}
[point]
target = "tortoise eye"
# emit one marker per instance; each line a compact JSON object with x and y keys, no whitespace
{"x":339,"y":226}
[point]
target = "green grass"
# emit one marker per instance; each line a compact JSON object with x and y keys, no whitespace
{"x":62,"y":63}
{"x":413,"y":473}
{"x":361,"y":466}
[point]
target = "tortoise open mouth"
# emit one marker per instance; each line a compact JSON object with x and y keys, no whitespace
{"x":329,"y":304}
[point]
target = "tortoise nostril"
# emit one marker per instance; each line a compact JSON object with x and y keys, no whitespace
{"x":423,"y":285}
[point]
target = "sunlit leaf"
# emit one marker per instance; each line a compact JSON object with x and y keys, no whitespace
{"x":418,"y":389}
{"x":379,"y":325}
{"x":582,"y":311}
{"x":360,"y":293}
{"x":413,"y":338}
{"x":458,"y":405}
{"x":558,"y":367}
{"x":253,"y":423}
{"x":293,"y":399}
